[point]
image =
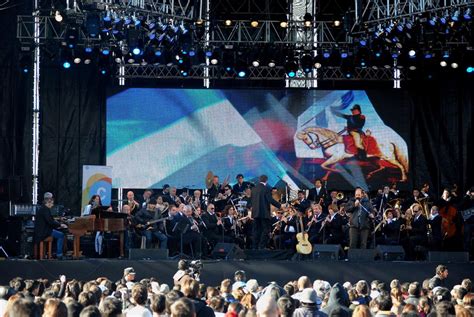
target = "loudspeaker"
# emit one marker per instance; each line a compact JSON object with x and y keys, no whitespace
{"x":361,"y":255}
{"x":148,"y":254}
{"x":227,"y":251}
{"x":326,"y":252}
{"x":390,"y":253}
{"x":448,"y":257}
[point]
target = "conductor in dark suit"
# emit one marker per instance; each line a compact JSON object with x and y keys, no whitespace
{"x":318,"y":194}
{"x":45,"y":225}
{"x":261,"y":200}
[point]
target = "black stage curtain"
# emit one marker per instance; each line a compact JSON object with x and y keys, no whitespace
{"x":442,"y":133}
{"x":72,"y":130}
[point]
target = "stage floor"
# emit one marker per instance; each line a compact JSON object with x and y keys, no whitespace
{"x":214,"y":271}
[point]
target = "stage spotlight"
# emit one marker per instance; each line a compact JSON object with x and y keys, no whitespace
{"x":105,"y":50}
{"x":291,"y":67}
{"x":256,"y":63}
{"x":25,"y":63}
{"x":432,"y":21}
{"x":326,"y":53}
{"x":412,"y":53}
{"x":454,"y":65}
{"x":158,"y":52}
{"x":467,"y":14}
{"x":66,"y":58}
{"x":214,"y":58}
{"x":428,"y":55}
{"x":130,"y":58}
{"x":470,"y":69}
{"x":363,"y":42}
{"x":66,"y":64}
{"x":71,"y":36}
{"x":443,"y":63}
{"x":271,"y":63}
{"x":284,"y":23}
{"x":308,"y":20}
{"x":192,"y":52}
{"x":455,"y":16}
{"x":318,"y":62}
{"x":241,"y":70}
{"x":306,"y":62}
{"x":228,"y":22}
{"x":254,"y":23}
{"x":337,"y":23}
{"x":103,"y":66}
{"x":344,"y":54}
{"x":58,"y":16}
{"x":88,"y":49}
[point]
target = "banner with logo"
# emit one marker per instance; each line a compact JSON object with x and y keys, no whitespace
{"x":96,"y":180}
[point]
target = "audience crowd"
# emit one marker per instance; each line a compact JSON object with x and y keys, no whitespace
{"x":240,"y":297}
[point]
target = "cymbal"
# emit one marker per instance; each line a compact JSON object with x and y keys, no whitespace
{"x":208,"y":179}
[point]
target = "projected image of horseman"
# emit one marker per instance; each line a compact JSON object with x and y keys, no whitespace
{"x":355,"y":123}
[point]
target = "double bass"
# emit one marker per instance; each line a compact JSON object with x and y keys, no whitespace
{"x":448,"y":215}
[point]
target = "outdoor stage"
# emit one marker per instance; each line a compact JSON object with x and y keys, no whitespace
{"x":214,"y":271}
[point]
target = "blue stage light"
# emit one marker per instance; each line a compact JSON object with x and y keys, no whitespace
{"x":66,"y":65}
{"x":136,"y":51}
{"x":470,"y":70}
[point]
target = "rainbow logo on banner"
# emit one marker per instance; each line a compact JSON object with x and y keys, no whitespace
{"x":96,"y":180}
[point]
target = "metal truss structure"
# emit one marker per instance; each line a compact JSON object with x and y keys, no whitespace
{"x":255,"y":73}
{"x":380,"y":11}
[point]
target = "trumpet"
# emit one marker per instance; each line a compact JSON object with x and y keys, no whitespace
{"x":340,"y":196}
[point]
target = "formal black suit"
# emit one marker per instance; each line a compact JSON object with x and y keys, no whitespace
{"x":382,"y":200}
{"x":190,"y":237}
{"x":303,"y":205}
{"x":212,"y":231}
{"x":314,"y":232}
{"x":436,"y":237}
{"x":418,"y":235}
{"x":261,"y":199}
{"x":44,"y":224}
{"x":313,"y":195}
{"x":333,"y":231}
{"x":391,"y":232}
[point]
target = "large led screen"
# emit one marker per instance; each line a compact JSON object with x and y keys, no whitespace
{"x":175,"y":136}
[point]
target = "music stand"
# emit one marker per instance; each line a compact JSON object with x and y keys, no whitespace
{"x":182,"y":227}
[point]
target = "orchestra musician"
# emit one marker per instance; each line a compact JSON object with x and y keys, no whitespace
{"x":415,"y":198}
{"x":302,"y":204}
{"x":417,"y":230}
{"x":467,"y":203}
{"x":197,"y":199}
{"x":434,"y":222}
{"x":213,"y":226}
{"x":261,"y":198}
{"x":318,"y":194}
{"x":157,"y":230}
{"x":287,"y":238}
{"x":391,"y":228}
{"x":184,"y":196}
{"x":425,"y":191}
{"x":46,"y":226}
{"x":277,"y":224}
{"x":314,"y":221}
{"x":172,"y":198}
{"x":232,"y":225}
{"x":94,"y":203}
{"x":134,"y":205}
{"x":383,"y":199}
{"x":241,"y":185}
{"x":333,"y":226}
{"x":360,"y":209}
{"x":190,"y":231}
{"x":146,"y":197}
{"x":215,"y":188}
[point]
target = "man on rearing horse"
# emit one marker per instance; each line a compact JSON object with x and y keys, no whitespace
{"x":355,"y":123}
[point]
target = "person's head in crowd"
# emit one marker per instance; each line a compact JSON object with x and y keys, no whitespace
{"x":458,"y":292}
{"x":211,"y":292}
{"x":53,"y":307}
{"x":468,"y":300}
{"x":467,"y":284}
{"x":286,"y":306}
{"x":383,"y":301}
{"x":129,"y":274}
{"x":361,"y":311}
{"x":139,"y":294}
{"x":362,"y":288}
{"x":226,"y":286}
{"x":90,"y":311}
{"x":267,"y":307}
{"x":396,"y":296}
{"x":414,"y":289}
{"x":172,"y":297}
{"x":238,"y":294}
{"x":289,"y":289}
{"x":190,"y":288}
{"x":424,"y":305}
{"x":73,"y":307}
{"x":217,"y":303}
{"x":248,"y":300}
{"x":441,"y":294}
{"x":395,"y":284}
{"x":251,"y":285}
{"x":442,"y":271}
{"x":17,"y":284}
{"x":321,"y":287}
{"x":73,"y":289}
{"x":240,"y":276}
{"x":87,"y":299}
{"x":462,"y":311}
{"x":158,"y":304}
{"x":303,"y":282}
{"x":404,"y":288}
{"x":183,"y":307}
{"x":308,"y":297}
{"x":445,"y":308}
{"x":110,"y":307}
{"x":22,"y":307}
